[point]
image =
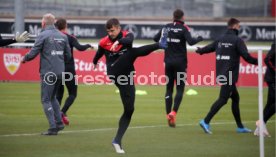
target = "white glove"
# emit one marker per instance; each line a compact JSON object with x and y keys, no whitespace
{"x":22,"y":37}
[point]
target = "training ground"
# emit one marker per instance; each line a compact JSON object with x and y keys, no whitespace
{"x":94,"y":119}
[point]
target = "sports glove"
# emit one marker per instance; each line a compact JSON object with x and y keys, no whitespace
{"x":22,"y":37}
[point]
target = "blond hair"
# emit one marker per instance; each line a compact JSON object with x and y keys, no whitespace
{"x":49,"y":19}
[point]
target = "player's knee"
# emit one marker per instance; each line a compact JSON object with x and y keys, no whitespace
{"x":169,"y":92}
{"x":72,"y":96}
{"x":128,"y":112}
{"x":46,"y":105}
{"x":179,"y":93}
{"x":75,"y":94}
{"x":129,"y":109}
{"x":222,"y":100}
{"x":236,"y":99}
{"x":45,"y":100}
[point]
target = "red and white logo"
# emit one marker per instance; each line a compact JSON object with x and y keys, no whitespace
{"x":12,"y":62}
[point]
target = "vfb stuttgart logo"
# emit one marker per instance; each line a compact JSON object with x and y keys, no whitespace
{"x":12,"y":62}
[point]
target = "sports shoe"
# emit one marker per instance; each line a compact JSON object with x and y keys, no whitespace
{"x":65,"y":119}
{"x":60,"y":127}
{"x":205,"y":127}
{"x":257,"y":130}
{"x":171,"y":119}
{"x":163,"y":39}
{"x":243,"y":130}
{"x":50,"y":132}
{"x":118,"y":148}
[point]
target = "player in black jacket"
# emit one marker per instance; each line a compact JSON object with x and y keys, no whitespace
{"x":228,"y":50}
{"x":270,"y":77}
{"x":18,"y":38}
{"x":120,"y":57}
{"x":71,"y":85}
{"x":176,"y":62}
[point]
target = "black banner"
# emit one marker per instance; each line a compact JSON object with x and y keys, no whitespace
{"x":147,"y":31}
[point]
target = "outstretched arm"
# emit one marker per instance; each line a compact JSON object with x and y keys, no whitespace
{"x":190,"y":39}
{"x":5,"y":42}
{"x":18,"y":38}
{"x":80,"y":47}
{"x":244,"y":52}
{"x":98,"y":55}
{"x":36,"y":49}
{"x":207,"y":49}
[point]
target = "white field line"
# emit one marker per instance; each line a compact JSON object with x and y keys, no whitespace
{"x":134,"y":127}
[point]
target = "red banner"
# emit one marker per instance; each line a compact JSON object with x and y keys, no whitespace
{"x":149,"y":69}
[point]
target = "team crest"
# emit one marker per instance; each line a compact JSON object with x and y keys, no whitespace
{"x":12,"y":62}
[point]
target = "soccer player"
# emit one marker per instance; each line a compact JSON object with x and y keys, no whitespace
{"x":71,"y":85}
{"x":270,"y":78}
{"x":120,"y":57}
{"x":18,"y":38}
{"x":228,"y":50}
{"x":53,"y":48}
{"x":176,"y":62}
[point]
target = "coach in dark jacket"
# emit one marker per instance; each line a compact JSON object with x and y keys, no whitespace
{"x":53,"y":48}
{"x":228,"y":50}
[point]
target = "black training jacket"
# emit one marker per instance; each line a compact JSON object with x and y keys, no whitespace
{"x":228,"y":50}
{"x":125,"y":40}
{"x":178,"y":35}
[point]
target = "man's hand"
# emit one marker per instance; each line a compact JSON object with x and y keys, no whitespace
{"x":198,"y":50}
{"x":94,"y":66}
{"x":113,"y":47}
{"x":91,"y":47}
{"x":22,"y":60}
{"x":22,"y":37}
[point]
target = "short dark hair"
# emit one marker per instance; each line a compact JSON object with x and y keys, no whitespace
{"x":178,"y":14}
{"x":112,"y":22}
{"x":61,"y":23}
{"x":232,"y":21}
